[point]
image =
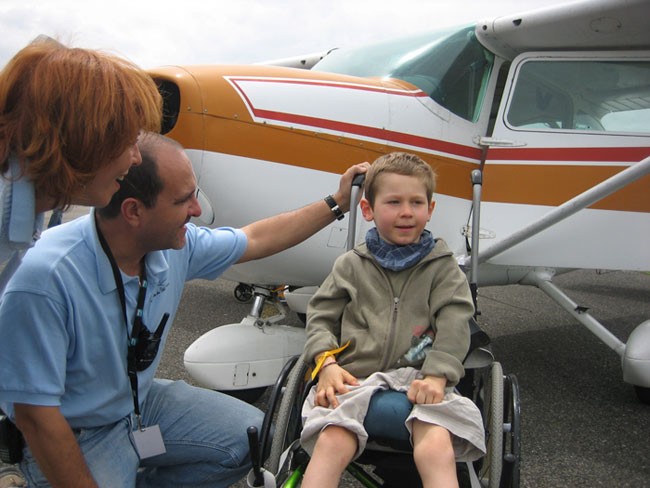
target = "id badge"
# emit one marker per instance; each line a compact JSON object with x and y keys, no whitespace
{"x":149,"y":442}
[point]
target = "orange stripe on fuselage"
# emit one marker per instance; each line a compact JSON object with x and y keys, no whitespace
{"x":323,"y":152}
{"x":552,"y":176}
{"x":571,"y":154}
{"x":507,"y":182}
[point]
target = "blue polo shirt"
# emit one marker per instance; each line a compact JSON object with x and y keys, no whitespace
{"x":63,"y":337}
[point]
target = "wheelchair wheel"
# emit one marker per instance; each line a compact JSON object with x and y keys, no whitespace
{"x":288,"y":421}
{"x":490,"y":472}
{"x":510,"y":474}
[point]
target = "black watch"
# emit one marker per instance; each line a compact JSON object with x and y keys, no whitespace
{"x":334,"y":207}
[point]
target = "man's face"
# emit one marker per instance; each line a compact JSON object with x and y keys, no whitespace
{"x":176,"y":204}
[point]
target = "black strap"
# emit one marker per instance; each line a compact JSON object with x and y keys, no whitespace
{"x":334,"y":207}
{"x":137,"y":321}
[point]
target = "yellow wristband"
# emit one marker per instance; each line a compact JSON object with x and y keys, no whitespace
{"x":325,"y":355}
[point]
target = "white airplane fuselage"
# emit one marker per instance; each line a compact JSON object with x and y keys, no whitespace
{"x":546,"y":105}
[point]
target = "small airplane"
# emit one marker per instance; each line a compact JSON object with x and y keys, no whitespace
{"x":538,"y":125}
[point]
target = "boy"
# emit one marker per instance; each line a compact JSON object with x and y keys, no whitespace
{"x":393,"y":314}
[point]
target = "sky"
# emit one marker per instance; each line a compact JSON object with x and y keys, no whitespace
{"x":232,"y":31}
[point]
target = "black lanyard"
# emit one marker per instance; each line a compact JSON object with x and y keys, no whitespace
{"x":137,"y":321}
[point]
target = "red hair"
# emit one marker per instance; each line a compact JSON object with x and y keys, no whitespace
{"x":68,"y":112}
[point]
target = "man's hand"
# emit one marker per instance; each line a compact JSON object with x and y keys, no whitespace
{"x":342,"y":196}
{"x":332,"y":381}
{"x":429,"y":390}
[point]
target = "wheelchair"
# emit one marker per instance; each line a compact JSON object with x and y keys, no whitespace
{"x":279,"y":460}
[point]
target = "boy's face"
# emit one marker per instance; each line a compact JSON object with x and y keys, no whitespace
{"x":401,"y":209}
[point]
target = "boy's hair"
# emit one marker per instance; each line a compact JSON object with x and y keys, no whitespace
{"x":142,"y":181}
{"x":65,"y":113}
{"x":402,"y":164}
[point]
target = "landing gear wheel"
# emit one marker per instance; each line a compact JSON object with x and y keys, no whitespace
{"x":243,"y":293}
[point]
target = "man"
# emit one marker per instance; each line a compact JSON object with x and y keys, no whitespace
{"x":78,"y":322}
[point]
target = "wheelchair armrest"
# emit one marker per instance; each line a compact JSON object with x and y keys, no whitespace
{"x":477,"y":337}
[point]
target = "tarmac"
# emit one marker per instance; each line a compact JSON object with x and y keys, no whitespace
{"x":582,"y":426}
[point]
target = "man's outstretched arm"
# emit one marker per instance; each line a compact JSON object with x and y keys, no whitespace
{"x":274,"y":234}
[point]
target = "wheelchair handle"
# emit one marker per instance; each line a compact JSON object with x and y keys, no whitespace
{"x":355,"y":196}
{"x":359,"y":179}
{"x":254,"y":445}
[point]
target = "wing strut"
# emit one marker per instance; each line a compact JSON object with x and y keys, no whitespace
{"x":567,"y":209}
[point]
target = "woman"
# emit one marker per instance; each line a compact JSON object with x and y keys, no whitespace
{"x":69,"y":122}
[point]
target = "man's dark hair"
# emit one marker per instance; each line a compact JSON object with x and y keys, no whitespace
{"x":143,"y":182}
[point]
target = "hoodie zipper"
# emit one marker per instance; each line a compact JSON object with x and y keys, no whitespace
{"x":391,"y":342}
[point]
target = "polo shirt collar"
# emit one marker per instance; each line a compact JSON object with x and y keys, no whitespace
{"x":156,"y":264}
{"x":105,"y":277}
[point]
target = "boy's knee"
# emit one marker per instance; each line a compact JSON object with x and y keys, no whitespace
{"x":435,"y":447}
{"x":336,"y":437}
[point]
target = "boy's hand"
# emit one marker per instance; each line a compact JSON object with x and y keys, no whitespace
{"x":431,"y":389}
{"x":332,"y":381}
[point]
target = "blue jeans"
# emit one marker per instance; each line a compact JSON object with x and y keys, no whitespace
{"x":204,"y":433}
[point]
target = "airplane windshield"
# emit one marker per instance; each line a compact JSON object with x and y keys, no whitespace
{"x":449,"y":65}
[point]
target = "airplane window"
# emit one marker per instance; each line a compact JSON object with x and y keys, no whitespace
{"x":582,"y":95}
{"x":450,"y":66}
{"x":628,"y":121}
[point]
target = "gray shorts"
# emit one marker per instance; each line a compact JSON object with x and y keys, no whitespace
{"x":456,"y":413}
